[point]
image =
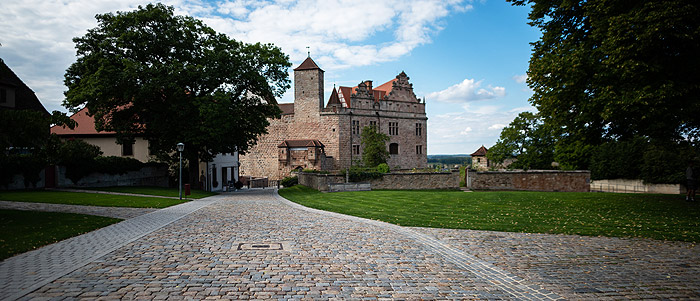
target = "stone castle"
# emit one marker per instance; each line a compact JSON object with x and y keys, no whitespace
{"x":314,"y":134}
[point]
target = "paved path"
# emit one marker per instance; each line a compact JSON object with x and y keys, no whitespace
{"x":116,"y":212}
{"x":255,"y":245}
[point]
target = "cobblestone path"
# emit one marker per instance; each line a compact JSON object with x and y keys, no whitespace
{"x":593,"y":268}
{"x":254,"y":245}
{"x":116,"y":212}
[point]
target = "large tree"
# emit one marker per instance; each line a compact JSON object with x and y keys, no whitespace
{"x":374,"y":144}
{"x":617,"y":69}
{"x":526,"y":139}
{"x":173,"y":79}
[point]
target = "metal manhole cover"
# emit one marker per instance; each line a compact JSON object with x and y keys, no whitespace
{"x":260,"y":246}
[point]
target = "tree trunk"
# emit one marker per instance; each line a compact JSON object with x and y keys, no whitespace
{"x":193,"y":160}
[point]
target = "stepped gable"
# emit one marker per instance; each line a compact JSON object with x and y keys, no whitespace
{"x":402,"y":90}
{"x":397,"y":89}
{"x":480,"y":152}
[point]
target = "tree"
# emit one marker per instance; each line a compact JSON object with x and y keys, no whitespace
{"x":374,"y":146}
{"x":617,"y":69}
{"x":528,"y":140}
{"x":173,"y":79}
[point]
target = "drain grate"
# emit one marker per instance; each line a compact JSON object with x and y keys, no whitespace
{"x":260,"y":246}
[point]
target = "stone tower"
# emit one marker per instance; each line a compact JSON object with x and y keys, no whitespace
{"x":308,"y":90}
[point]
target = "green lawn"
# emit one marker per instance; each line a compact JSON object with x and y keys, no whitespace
{"x":91,"y":199}
{"x":22,"y":231}
{"x":595,"y":214}
{"x":152,"y":190}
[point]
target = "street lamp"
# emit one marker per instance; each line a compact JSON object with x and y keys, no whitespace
{"x":180,"y":148}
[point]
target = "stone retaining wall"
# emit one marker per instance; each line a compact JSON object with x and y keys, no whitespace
{"x":147,"y":176}
{"x":442,"y":180}
{"x":635,"y":186}
{"x":534,"y":180}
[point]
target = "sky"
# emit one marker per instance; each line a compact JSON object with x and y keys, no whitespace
{"x":467,"y":58}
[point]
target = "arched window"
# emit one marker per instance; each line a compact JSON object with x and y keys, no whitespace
{"x":394,"y":149}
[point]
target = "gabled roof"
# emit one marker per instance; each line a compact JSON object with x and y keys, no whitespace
{"x":25,"y":99}
{"x":334,"y":100}
{"x":85,"y":125}
{"x":308,"y":64}
{"x":287,"y":108}
{"x":480,"y":152}
{"x":301,"y":143}
{"x":377,"y":92}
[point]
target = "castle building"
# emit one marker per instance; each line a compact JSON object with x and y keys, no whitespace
{"x":325,"y":135}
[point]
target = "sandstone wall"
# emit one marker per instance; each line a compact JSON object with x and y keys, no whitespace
{"x":443,"y":180}
{"x":635,"y":186}
{"x":534,"y":180}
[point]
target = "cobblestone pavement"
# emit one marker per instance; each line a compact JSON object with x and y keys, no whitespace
{"x":116,"y":212}
{"x":255,"y":246}
{"x":594,"y":268}
{"x":26,"y":272}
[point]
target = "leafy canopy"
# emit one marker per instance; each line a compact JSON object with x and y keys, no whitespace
{"x":528,"y":140}
{"x":173,"y":79}
{"x":374,"y":147}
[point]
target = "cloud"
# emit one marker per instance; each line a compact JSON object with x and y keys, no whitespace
{"x":37,"y":34}
{"x":467,"y":90}
{"x":520,"y":79}
{"x":497,"y":126}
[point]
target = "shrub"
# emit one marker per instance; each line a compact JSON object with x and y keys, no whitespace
{"x":360,"y":174}
{"x":289,"y":181}
{"x":383,"y":168}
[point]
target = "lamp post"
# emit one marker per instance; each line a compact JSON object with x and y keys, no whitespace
{"x":180,"y":148}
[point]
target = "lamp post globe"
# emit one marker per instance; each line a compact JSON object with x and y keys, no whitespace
{"x":180,"y":148}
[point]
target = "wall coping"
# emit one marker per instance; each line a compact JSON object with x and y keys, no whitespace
{"x":532,"y":171}
{"x":389,"y":173}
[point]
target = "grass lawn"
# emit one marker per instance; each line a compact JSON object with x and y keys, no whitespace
{"x":655,"y":216}
{"x":91,"y":199}
{"x":152,"y":190}
{"x":22,"y":231}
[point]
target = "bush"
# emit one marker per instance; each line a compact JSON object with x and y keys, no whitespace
{"x":383,"y":168}
{"x":360,"y":174}
{"x":27,"y":165}
{"x":289,"y":181}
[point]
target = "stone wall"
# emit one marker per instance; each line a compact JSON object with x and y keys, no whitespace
{"x":635,"y":186}
{"x":147,"y":176}
{"x":442,"y":180}
{"x":534,"y":180}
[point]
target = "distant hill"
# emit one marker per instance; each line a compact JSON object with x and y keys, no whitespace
{"x":450,"y":159}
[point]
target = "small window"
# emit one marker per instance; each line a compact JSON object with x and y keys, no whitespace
{"x":419,"y":129}
{"x":128,"y":149}
{"x":373,"y":123}
{"x":355,"y":127}
{"x":393,"y":128}
{"x":394,"y":149}
{"x":419,"y":149}
{"x":356,"y":149}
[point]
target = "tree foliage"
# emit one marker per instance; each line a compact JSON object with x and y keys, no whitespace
{"x":374,"y":147}
{"x":526,"y":139}
{"x":617,"y":69}
{"x":173,"y":79}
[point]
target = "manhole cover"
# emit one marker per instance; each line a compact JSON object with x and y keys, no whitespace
{"x":260,"y":246}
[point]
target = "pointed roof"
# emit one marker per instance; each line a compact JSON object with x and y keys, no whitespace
{"x":301,"y":143}
{"x":85,"y":125}
{"x":25,"y":99}
{"x":480,"y":152}
{"x":308,"y":64}
{"x":334,"y":100}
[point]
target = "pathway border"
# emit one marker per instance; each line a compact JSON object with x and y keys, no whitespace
{"x":24,"y":273}
{"x":517,"y":287}
{"x":116,"y":212}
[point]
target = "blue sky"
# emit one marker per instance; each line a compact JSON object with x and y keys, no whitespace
{"x":467,"y":58}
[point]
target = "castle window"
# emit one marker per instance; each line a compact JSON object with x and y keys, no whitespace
{"x":419,"y":149}
{"x":356,"y":127}
{"x":393,"y":128}
{"x":419,"y":129}
{"x":394,"y":149}
{"x":128,"y":149}
{"x":356,"y":149}
{"x":373,"y":123}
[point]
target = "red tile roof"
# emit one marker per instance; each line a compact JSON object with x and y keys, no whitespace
{"x":378,"y":92}
{"x":480,"y":152}
{"x":85,"y":126}
{"x":301,"y":143}
{"x":308,"y":64}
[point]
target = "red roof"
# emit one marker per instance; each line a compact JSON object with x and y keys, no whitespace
{"x":308,"y":64}
{"x":301,"y":143}
{"x":378,"y":92}
{"x":334,"y":100}
{"x":480,"y":152}
{"x":85,"y":125}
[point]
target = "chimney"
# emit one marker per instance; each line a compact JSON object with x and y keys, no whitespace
{"x":369,"y":85}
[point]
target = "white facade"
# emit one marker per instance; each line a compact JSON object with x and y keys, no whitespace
{"x":221,"y":170}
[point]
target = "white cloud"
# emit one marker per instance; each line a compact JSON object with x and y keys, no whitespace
{"x":37,"y":34}
{"x":467,"y":90}
{"x":520,"y":79}
{"x":497,"y":126}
